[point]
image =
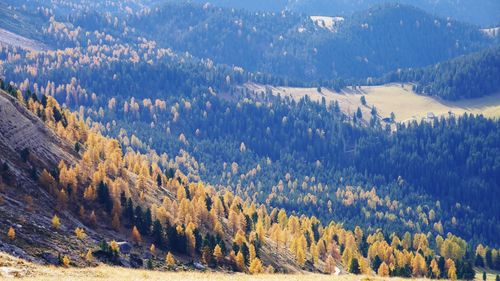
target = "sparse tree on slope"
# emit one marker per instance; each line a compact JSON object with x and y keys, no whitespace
{"x":170,"y":260}
{"x":136,"y":236}
{"x":56,"y":223}
{"x":11,"y":233}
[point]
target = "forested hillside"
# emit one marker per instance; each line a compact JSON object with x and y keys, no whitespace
{"x":290,"y":46}
{"x":225,"y":139}
{"x":470,"y":76}
{"x":211,"y":121}
{"x":368,"y":43}
{"x":164,"y":145}
{"x":335,"y":157}
{"x":483,"y":12}
{"x":131,"y":191}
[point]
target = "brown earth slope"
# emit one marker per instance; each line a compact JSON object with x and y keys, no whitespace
{"x":24,"y":204}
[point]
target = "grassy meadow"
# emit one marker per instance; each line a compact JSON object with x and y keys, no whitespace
{"x":406,"y":104}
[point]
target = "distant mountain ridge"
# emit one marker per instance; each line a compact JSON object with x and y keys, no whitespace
{"x":483,"y":12}
{"x":369,"y":43}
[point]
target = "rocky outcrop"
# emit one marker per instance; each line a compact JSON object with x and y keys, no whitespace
{"x":23,"y":132}
{"x":20,"y":130}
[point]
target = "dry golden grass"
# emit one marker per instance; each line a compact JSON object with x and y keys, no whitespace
{"x":32,"y":272}
{"x":105,"y":273}
{"x":490,"y":275}
{"x":405,"y":104}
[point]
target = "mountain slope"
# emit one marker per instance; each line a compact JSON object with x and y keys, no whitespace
{"x":177,"y":124}
{"x":469,"y":76}
{"x":24,"y":202}
{"x":28,"y":202}
{"x":484,"y":12}
{"x":393,"y":36}
{"x":20,"y":21}
{"x":193,"y":109}
{"x":369,"y":43}
{"x":186,"y":218}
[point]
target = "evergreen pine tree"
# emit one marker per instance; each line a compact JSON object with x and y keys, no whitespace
{"x":104,"y":197}
{"x":354,"y":266}
{"x":157,"y":234}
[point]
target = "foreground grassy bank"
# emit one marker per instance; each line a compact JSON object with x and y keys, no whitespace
{"x":22,"y":270}
{"x":105,"y":273}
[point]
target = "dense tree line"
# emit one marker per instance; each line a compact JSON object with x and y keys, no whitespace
{"x":369,"y":43}
{"x":289,"y":47}
{"x":298,"y":137}
{"x":469,"y":76}
{"x":481,"y":13}
{"x":205,"y":113}
{"x":195,"y":220}
{"x":303,"y":156}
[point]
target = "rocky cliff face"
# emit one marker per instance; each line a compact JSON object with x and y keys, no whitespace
{"x":27,"y":147}
{"x":21,"y":130}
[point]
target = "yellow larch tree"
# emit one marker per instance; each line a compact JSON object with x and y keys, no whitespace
{"x":301,"y":256}
{"x":239,"y":238}
{"x":383,"y":270}
{"x":218,"y":228}
{"x":90,"y":193}
{"x":115,"y":248}
{"x":435,"y":269}
{"x":219,"y":258}
{"x":136,"y":236}
{"x":89,"y":257}
{"x":56,"y":223}
{"x":364,"y":265}
{"x":452,"y":272}
{"x":256,"y":266}
{"x":80,"y":233}
{"x":191,"y":239}
{"x":48,"y":181}
{"x":11,"y":233}
{"x":66,"y":261}
{"x":419,"y":268}
{"x":314,"y":253}
{"x":282,"y":218}
{"x":170,"y":260}
{"x":358,"y":234}
{"x":259,"y":227}
{"x":240,"y":261}
{"x":346,"y":257}
{"x":330,"y":264}
{"x":251,"y":252}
